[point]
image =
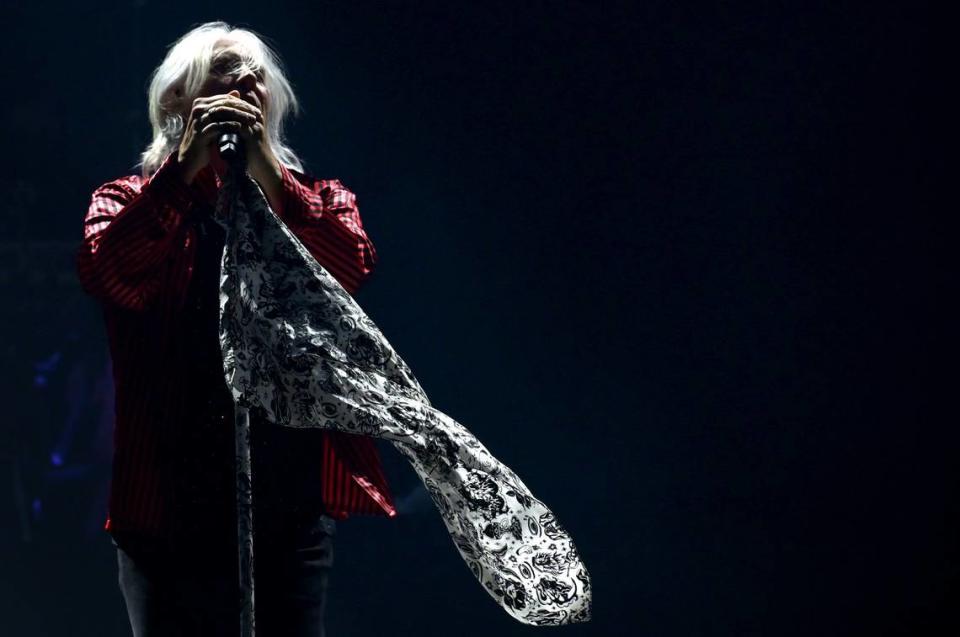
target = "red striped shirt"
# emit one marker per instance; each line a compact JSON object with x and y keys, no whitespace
{"x":136,"y":259}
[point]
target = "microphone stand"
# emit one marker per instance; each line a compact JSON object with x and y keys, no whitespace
{"x":232,"y":152}
{"x":245,"y":521}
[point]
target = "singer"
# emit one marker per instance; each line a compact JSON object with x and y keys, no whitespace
{"x":150,"y":256}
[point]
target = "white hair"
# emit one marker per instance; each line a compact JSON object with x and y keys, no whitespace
{"x":175,"y":84}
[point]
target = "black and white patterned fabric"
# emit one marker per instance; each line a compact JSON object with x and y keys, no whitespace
{"x":299,"y":351}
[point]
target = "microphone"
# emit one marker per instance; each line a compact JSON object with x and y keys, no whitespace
{"x":231,"y":147}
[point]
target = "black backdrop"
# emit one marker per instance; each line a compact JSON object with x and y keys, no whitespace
{"x":677,"y":264}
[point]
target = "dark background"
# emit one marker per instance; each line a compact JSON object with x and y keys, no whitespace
{"x":676,"y":264}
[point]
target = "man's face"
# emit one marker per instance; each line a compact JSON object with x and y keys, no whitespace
{"x":228,"y":72}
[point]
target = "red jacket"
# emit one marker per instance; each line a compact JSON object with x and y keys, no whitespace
{"x":136,"y":258}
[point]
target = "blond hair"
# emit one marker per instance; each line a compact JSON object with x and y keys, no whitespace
{"x":175,"y":84}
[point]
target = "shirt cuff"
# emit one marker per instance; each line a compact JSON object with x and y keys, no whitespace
{"x":166,"y":184}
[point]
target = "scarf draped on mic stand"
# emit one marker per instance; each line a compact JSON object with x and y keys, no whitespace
{"x":299,"y":352}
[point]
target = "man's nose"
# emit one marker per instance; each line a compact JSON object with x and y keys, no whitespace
{"x":246,"y":78}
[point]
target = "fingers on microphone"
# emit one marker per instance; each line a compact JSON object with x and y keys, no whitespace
{"x":234,"y":103}
{"x":227,"y":113}
{"x":219,"y":127}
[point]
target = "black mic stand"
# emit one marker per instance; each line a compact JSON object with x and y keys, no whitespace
{"x":232,"y":152}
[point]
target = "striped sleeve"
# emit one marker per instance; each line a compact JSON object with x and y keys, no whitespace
{"x":128,"y":233}
{"x":324,"y":216}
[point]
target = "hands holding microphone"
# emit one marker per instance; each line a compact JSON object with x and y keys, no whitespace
{"x":209,"y":118}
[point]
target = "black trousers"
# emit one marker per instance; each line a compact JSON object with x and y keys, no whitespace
{"x":194,"y":589}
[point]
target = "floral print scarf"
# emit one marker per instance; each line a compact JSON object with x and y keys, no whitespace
{"x":299,"y":352}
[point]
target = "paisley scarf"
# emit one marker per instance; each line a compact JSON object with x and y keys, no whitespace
{"x":299,"y":352}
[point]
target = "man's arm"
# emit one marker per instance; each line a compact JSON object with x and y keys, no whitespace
{"x":128,"y":236}
{"x":324,"y":216}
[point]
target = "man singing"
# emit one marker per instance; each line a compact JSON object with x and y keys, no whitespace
{"x":150,"y":255}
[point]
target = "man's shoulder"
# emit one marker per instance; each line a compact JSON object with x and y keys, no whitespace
{"x":315,"y":183}
{"x":132,"y":184}
{"x":127,"y":184}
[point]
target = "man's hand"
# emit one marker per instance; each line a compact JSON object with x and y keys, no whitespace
{"x":212,"y":116}
{"x":209,"y":118}
{"x":262,"y":164}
